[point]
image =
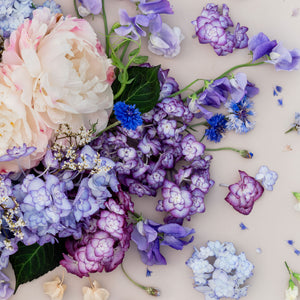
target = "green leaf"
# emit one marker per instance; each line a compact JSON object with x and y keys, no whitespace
{"x":31,"y":262}
{"x":144,"y":88}
{"x":134,"y":52}
{"x":297,"y":195}
{"x":297,"y":276}
{"x":140,"y":59}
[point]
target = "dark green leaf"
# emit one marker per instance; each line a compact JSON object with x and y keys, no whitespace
{"x":140,"y":59}
{"x":31,"y":262}
{"x":144,"y":89}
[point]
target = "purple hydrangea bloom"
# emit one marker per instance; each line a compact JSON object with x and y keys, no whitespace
{"x":175,"y":200}
{"x":285,"y":59}
{"x":261,"y":45}
{"x":244,"y":193}
{"x":191,"y":148}
{"x":267,"y":177}
{"x":241,"y":38}
{"x":53,"y":6}
{"x":166,"y":41}
{"x":17,"y":152}
{"x":92,"y":6}
{"x":5,"y":291}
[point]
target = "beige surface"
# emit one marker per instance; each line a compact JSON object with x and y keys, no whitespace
{"x":273,"y":219}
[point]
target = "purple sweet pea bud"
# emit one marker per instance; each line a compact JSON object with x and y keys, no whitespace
{"x":155,"y":7}
{"x":92,"y":6}
{"x":260,"y":45}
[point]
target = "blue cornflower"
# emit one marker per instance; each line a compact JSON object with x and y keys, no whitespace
{"x":239,"y":113}
{"x":217,"y":126}
{"x":243,"y":226}
{"x":128,"y":115}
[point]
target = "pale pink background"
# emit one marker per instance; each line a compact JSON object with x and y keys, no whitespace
{"x":273,"y":219}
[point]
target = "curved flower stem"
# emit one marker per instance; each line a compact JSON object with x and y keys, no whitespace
{"x":149,"y":290}
{"x":76,"y":10}
{"x":288,"y":268}
{"x":107,"y":43}
{"x":198,"y":124}
{"x":108,"y":127}
{"x":124,"y":50}
{"x":243,"y":153}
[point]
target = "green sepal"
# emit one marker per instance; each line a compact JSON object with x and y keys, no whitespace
{"x":296,"y":276}
{"x":31,"y":262}
{"x":297,"y":195}
{"x":144,"y":88}
{"x":291,"y":284}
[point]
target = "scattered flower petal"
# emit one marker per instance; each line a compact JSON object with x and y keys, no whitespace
{"x":55,"y":289}
{"x":94,"y":292}
{"x":243,"y":226}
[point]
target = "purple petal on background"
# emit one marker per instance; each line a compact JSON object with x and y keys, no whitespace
{"x":93,"y":6}
{"x":156,"y":7}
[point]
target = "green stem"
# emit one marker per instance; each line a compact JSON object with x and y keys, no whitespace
{"x":107,"y":43}
{"x":109,"y":127}
{"x":150,"y":290}
{"x":198,"y":124}
{"x":222,"y":148}
{"x":288,"y":268}
{"x":76,"y":10}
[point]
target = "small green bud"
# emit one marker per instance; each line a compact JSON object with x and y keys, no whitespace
{"x":297,"y":195}
{"x":152,"y":291}
{"x":246,"y":154}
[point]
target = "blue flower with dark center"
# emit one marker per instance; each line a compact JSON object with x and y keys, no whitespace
{"x":239,"y":114}
{"x":217,"y":126}
{"x":128,"y":115}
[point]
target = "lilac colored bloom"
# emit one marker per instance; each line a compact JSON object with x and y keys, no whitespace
{"x":17,"y":152}
{"x":172,"y":107}
{"x":132,"y":27}
{"x":228,"y":47}
{"x":92,"y":6}
{"x":216,"y":93}
{"x":266,"y":177}
{"x":260,"y":45}
{"x":166,"y":41}
{"x":283,"y":59}
{"x":212,"y":32}
{"x":241,"y":38}
{"x":176,"y":201}
{"x":5,"y":291}
{"x":112,"y":223}
{"x":166,"y":128}
{"x":191,"y":148}
{"x":155,"y":180}
{"x":244,"y":193}
{"x":155,"y":7}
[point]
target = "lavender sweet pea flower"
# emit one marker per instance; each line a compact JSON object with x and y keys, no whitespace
{"x":92,"y":7}
{"x":155,"y":7}
{"x":261,"y":45}
{"x":5,"y":291}
{"x":283,"y":59}
{"x":166,"y":42}
{"x":244,"y":193}
{"x":132,"y":26}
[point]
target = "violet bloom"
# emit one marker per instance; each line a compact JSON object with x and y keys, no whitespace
{"x":241,"y":38}
{"x":132,"y":27}
{"x":5,"y":291}
{"x":155,"y":7}
{"x":90,"y":7}
{"x":283,"y":59}
{"x":261,"y":45}
{"x":266,"y":177}
{"x":166,"y":42}
{"x":244,"y":193}
{"x":175,"y":200}
{"x":17,"y":152}
{"x":191,"y":148}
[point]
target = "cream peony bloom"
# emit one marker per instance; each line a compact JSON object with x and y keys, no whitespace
{"x":55,"y":289}
{"x":70,"y":74}
{"x":95,"y":292}
{"x":19,"y":124}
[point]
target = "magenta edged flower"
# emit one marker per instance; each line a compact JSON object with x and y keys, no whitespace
{"x":175,"y":200}
{"x":244,"y":193}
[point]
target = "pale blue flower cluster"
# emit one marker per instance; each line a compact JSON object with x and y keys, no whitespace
{"x":266,"y":177}
{"x":12,"y":14}
{"x":219,"y":272}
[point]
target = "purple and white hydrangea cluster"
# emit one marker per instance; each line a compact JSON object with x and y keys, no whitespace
{"x":212,"y":27}
{"x":163,"y":40}
{"x":14,"y":12}
{"x":146,"y":157}
{"x":219,"y":272}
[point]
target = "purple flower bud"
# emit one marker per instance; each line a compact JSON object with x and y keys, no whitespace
{"x":155,"y":7}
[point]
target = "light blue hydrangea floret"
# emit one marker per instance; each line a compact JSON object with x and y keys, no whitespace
{"x":219,"y":272}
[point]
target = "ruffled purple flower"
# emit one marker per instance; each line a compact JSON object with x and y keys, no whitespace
{"x":17,"y":152}
{"x":191,"y":148}
{"x":285,"y":59}
{"x":260,"y":45}
{"x":244,"y":193}
{"x":166,"y":41}
{"x":5,"y":291}
{"x":241,"y":38}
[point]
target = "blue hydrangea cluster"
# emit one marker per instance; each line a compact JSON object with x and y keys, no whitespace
{"x":14,"y":12}
{"x":219,"y":272}
{"x":146,"y":156}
